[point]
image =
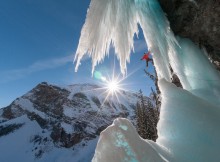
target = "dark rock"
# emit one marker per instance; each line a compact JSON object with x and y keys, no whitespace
{"x":36,"y":139}
{"x":80,"y":95}
{"x":50,"y":98}
{"x":39,"y":154}
{"x":176,"y":81}
{"x":100,"y":129}
{"x":7,"y":113}
{"x":67,"y":140}
{"x":96,"y":101}
{"x":80,"y":100}
{"x":4,"y":130}
{"x":42,"y":122}
{"x":198,"y":20}
{"x":65,"y":120}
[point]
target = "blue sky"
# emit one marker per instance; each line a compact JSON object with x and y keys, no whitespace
{"x":38,"y":40}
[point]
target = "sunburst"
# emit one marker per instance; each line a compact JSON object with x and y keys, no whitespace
{"x":112,"y":86}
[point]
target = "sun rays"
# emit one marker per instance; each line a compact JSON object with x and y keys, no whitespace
{"x":112,"y":87}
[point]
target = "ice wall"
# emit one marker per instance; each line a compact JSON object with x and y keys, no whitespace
{"x":189,"y":121}
{"x":188,"y":132}
{"x":188,"y":125}
{"x":195,"y":71}
{"x":111,"y":21}
{"x":187,"y":129}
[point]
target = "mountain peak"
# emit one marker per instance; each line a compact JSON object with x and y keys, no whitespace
{"x":55,"y":117}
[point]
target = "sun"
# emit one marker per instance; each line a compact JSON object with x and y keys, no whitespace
{"x":113,"y":86}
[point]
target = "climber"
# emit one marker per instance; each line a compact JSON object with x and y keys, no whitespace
{"x":147,"y":58}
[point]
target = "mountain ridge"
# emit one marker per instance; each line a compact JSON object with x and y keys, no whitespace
{"x":66,"y":120}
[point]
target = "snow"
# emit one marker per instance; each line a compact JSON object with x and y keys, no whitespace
{"x":85,"y":153}
{"x":26,"y":104}
{"x":68,"y":128}
{"x":69,"y":111}
{"x":120,"y":142}
{"x":18,"y":146}
{"x":18,"y":142}
{"x":127,"y":99}
{"x":30,"y":139}
{"x":79,"y":154}
{"x":190,"y":118}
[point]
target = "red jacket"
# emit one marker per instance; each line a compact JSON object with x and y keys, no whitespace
{"x":146,"y":56}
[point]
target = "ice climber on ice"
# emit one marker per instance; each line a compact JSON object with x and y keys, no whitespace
{"x":147,"y":58}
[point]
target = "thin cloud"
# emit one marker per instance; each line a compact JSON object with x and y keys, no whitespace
{"x":15,"y":74}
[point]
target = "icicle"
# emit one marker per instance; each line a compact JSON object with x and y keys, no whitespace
{"x":103,"y":28}
{"x":189,"y":120}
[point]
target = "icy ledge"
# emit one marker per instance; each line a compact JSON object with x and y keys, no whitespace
{"x":188,"y":131}
{"x":120,"y":142}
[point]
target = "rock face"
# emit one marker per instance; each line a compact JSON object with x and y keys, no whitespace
{"x":198,"y":20}
{"x":51,"y":118}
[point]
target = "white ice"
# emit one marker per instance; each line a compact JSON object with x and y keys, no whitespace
{"x":116,"y":22}
{"x":188,"y":128}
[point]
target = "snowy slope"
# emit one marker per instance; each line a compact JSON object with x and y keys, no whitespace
{"x":52,"y":123}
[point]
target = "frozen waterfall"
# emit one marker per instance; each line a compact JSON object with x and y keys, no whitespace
{"x":188,"y":128}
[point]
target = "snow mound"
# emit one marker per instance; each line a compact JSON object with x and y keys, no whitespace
{"x":120,"y":142}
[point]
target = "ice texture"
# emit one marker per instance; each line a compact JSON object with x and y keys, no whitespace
{"x":116,"y":22}
{"x":188,"y":129}
{"x":195,"y":71}
{"x":115,"y":140}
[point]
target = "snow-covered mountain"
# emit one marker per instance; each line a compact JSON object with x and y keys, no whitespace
{"x":52,"y":123}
